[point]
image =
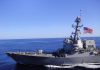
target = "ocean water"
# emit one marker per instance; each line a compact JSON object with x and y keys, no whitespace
{"x":29,"y":45}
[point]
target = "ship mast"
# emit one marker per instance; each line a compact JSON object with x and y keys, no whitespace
{"x":77,"y":28}
{"x":77,"y":32}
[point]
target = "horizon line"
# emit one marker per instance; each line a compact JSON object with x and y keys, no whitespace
{"x":41,"y":37}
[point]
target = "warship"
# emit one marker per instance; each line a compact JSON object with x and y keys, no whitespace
{"x":74,"y":51}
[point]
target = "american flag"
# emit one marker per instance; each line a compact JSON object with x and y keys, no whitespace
{"x":88,"y":30}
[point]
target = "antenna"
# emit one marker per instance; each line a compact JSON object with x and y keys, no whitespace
{"x":80,"y":13}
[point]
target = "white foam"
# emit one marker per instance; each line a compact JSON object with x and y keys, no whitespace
{"x":55,"y":66}
{"x":89,"y":65}
{"x":86,"y":65}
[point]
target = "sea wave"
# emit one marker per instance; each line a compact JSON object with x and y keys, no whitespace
{"x":86,"y":65}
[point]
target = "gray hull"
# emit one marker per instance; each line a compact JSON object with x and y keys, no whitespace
{"x":46,"y":60}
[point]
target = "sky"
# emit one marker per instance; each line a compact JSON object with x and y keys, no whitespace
{"x":46,"y":18}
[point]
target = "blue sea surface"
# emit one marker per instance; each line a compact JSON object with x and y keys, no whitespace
{"x":29,"y":45}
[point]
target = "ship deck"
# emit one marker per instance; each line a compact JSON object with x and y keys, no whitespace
{"x":50,"y":55}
